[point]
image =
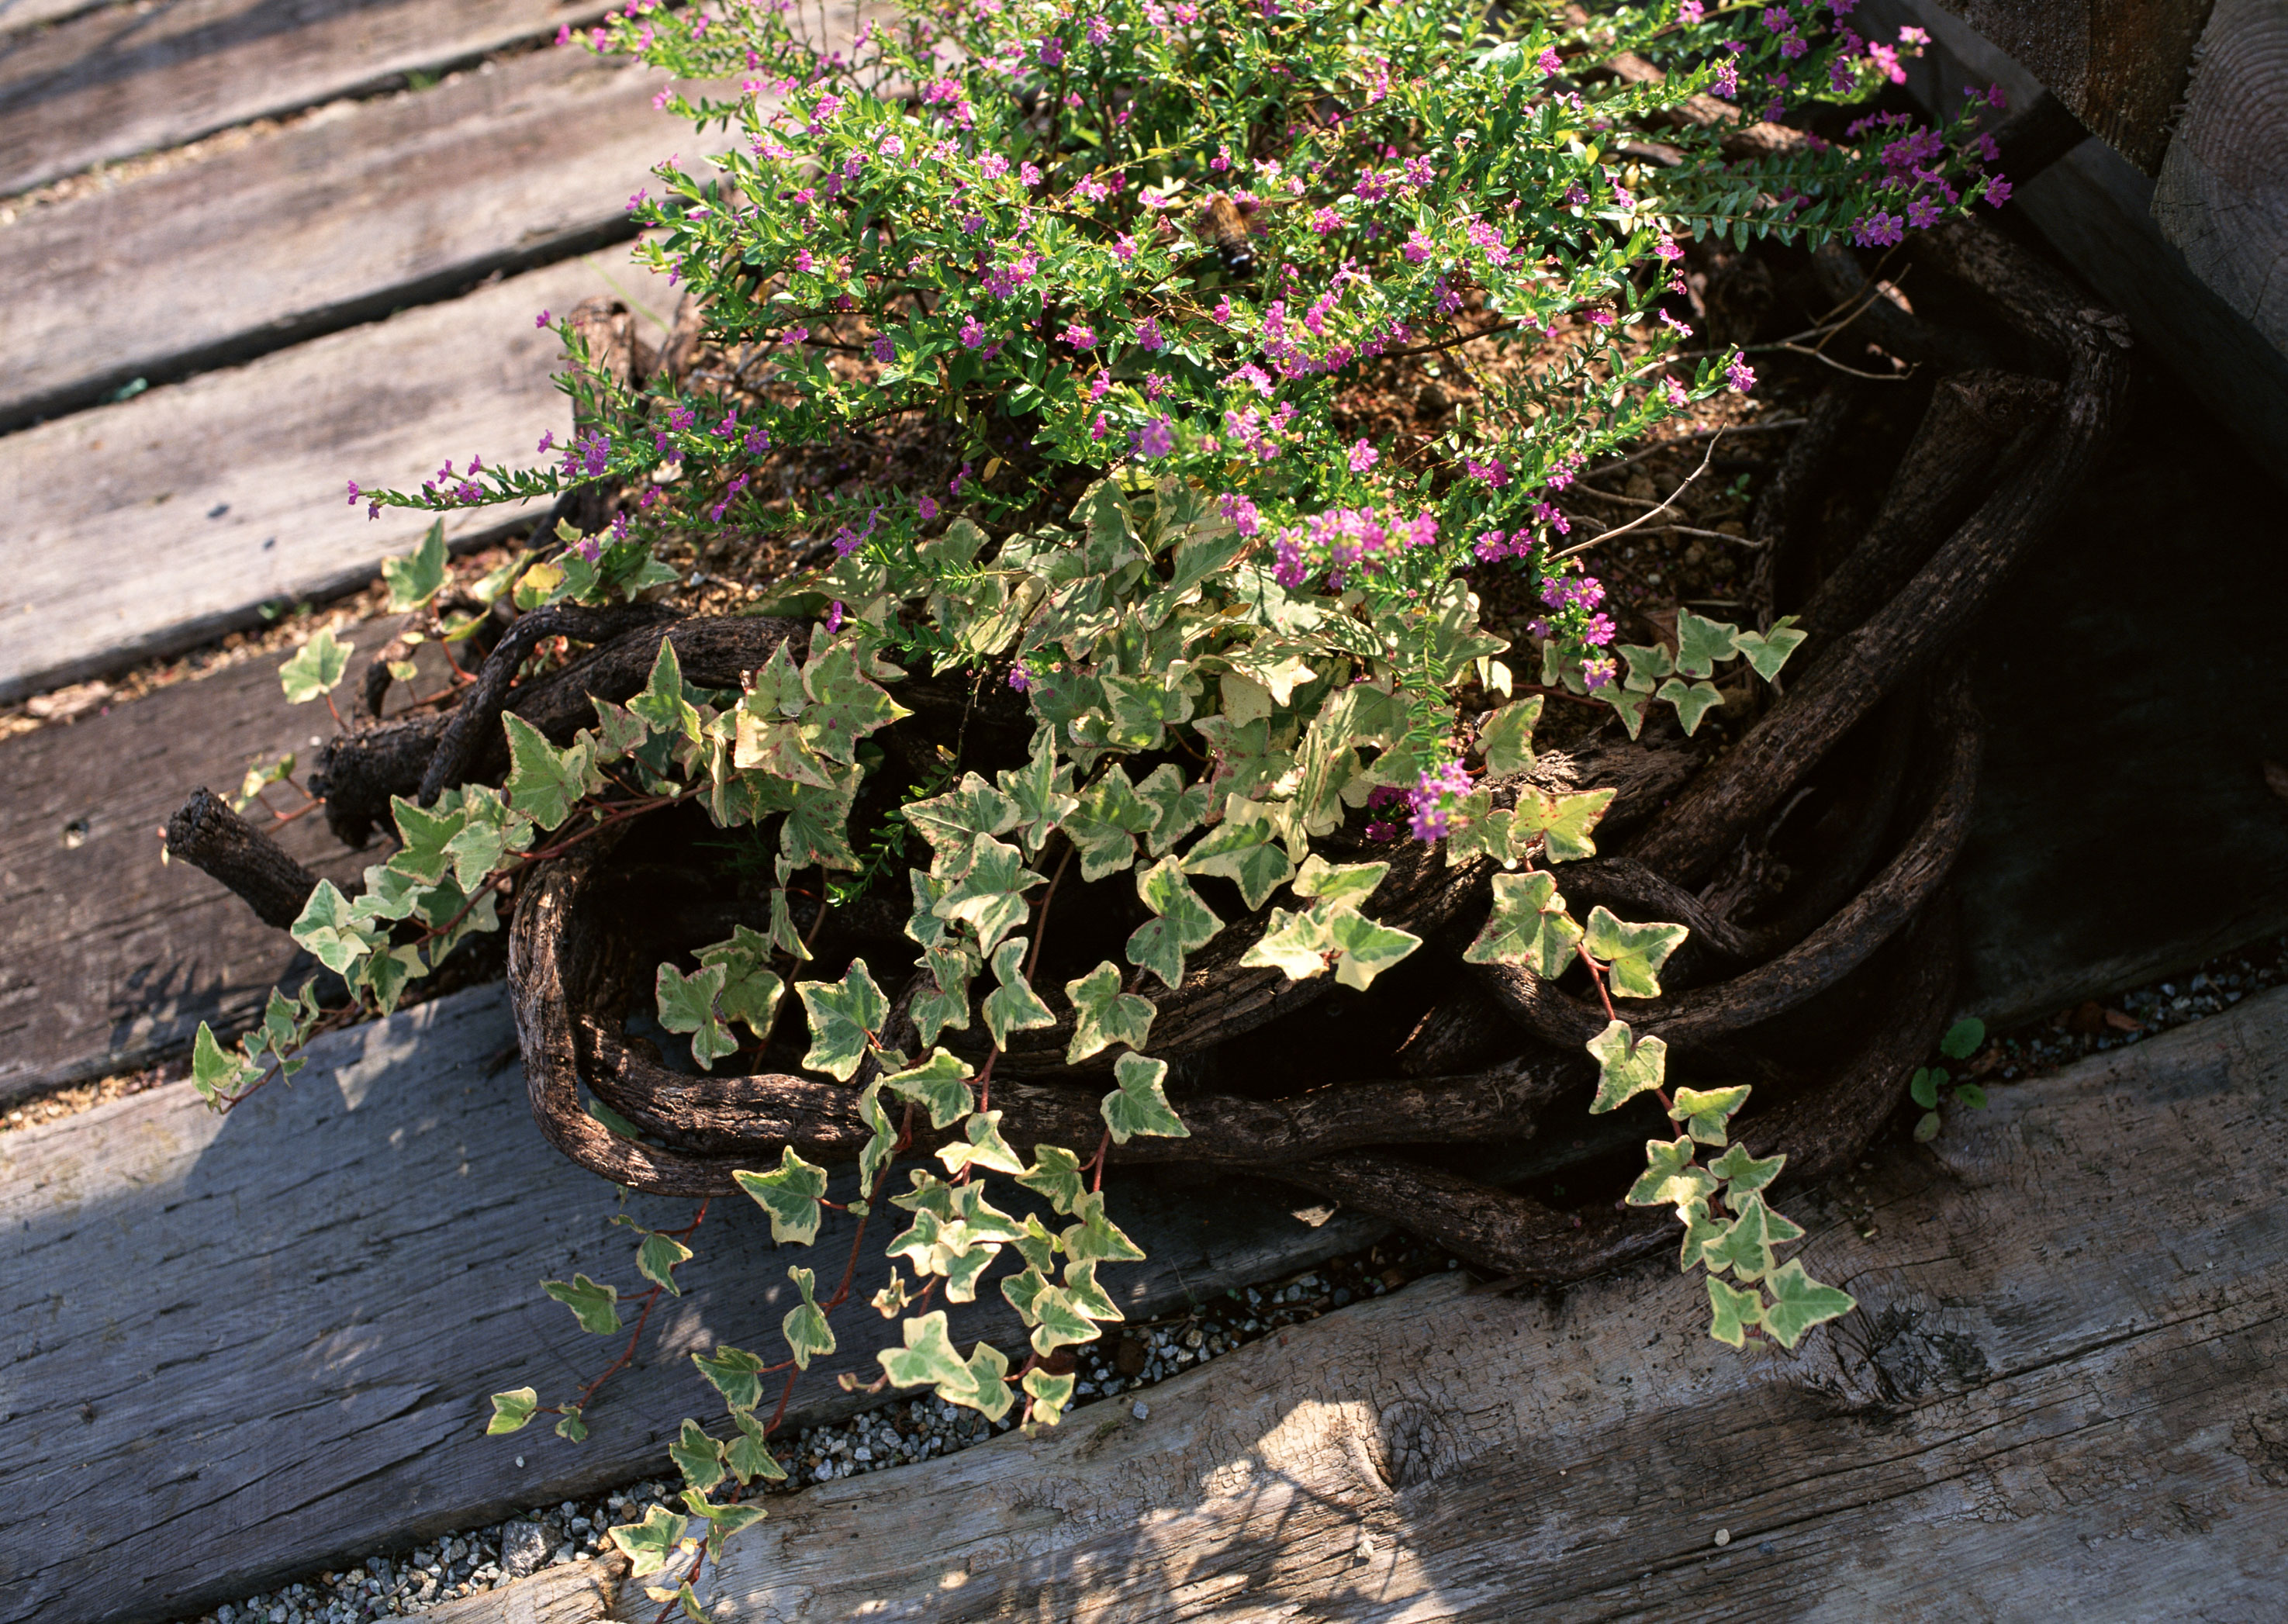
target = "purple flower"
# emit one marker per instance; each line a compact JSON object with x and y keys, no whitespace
{"x":354,"y":488}
{"x":1547,"y":61}
{"x":1080,"y":336}
{"x":1417,"y":249}
{"x":1242,"y":512}
{"x":1878,"y":230}
{"x":1997,"y":191}
{"x":1739,"y":376}
{"x":1922,"y":213}
{"x":1156,"y":439}
{"x":547,"y":440}
{"x":1051,"y":50}
{"x":972,"y":335}
{"x":885,"y":352}
{"x":834,"y":617}
{"x":1597,"y":672}
{"x":541,"y":319}
{"x":1149,"y":334}
{"x":926,"y":506}
{"x":1020,"y":679}
{"x":1363,"y":456}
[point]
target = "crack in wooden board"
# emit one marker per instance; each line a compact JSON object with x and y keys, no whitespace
{"x":207,"y":498}
{"x":284,"y":1323}
{"x":2062,"y":1396}
{"x":110,"y":83}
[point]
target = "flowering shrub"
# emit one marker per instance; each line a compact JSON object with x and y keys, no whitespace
{"x":1125,"y":258}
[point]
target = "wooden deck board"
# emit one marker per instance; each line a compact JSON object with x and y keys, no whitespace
{"x":2062,"y":1399}
{"x":285,"y":1322}
{"x":150,"y":526}
{"x":110,"y":83}
{"x":373,"y":206}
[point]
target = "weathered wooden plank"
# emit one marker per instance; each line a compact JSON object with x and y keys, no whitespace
{"x":107,"y":958}
{"x":239,"y":1348}
{"x":340,"y":219}
{"x":578,"y":1593}
{"x":207,"y":498}
{"x":18,"y":14}
{"x":2061,"y":1398}
{"x":2120,"y":65}
{"x":109,"y":84}
{"x":2222,"y":196}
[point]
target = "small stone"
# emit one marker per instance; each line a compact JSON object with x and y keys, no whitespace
{"x":1723,"y":1536}
{"x":523,"y":1548}
{"x":1141,"y":1411}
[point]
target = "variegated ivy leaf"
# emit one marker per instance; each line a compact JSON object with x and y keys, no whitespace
{"x":418,"y":577}
{"x":1176,"y":808}
{"x":1529,"y":926}
{"x":1731,"y":1311}
{"x":1042,"y":792}
{"x":1799,"y":1303}
{"x":687,"y":1003}
{"x":648,"y":1544}
{"x":1103,"y":1015}
{"x":315,"y":669}
{"x":1056,"y":1320}
{"x":1648,"y":664}
{"x":982,"y":1145}
{"x":953,"y":821}
{"x":1361,"y":714}
{"x":1702,"y":643}
{"x":1143,"y":708}
{"x":1096,"y":1239}
{"x":1631,"y":954}
{"x":990,"y":898}
{"x":657,"y":1258}
{"x":750,"y":989}
{"x":491,"y":832}
{"x":330,"y":931}
{"x":1363,"y":948}
{"x":1670,"y":1175}
{"x":1244,"y":849}
{"x":941,"y":1083}
{"x":988,"y":1372}
{"x":766,"y":736}
{"x":844,"y":1016}
{"x":511,"y":1411}
{"x":1506,"y":740}
{"x":934,"y":1010}
{"x":1296,"y":943}
{"x":1692,"y":703}
{"x":1183,"y":922}
{"x":1014,"y":1006}
{"x":791,"y":1194}
{"x":816,"y":828}
{"x":1050,"y":1394}
{"x":1699,"y":1229}
{"x":874,"y":1160}
{"x":546,"y":783}
{"x":784,"y":937}
{"x":734,"y":1373}
{"x":846,"y":704}
{"x":1055,"y":1173}
{"x":1035,"y":1242}
{"x":808,"y":1334}
{"x":1629,"y":702}
{"x":1705,"y":1111}
{"x":422,"y":836}
{"x":666,"y":703}
{"x":1769,"y":651}
{"x":1250,"y":756}
{"x":722,"y":1522}
{"x":1139,"y":1105}
{"x":928,"y":1359}
{"x":748,"y":1455}
{"x":1625,"y":1068}
{"x":594,"y":1306}
{"x":697,"y":1456}
{"x":1476,"y":828}
{"x":1745,"y":1246}
{"x":1091,"y":1298}
{"x":1345,"y":885}
{"x":1104,"y":826}
{"x":1743,"y":1172}
{"x":1559,"y":824}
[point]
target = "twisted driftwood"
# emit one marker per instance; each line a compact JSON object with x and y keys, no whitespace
{"x":1875,"y":723}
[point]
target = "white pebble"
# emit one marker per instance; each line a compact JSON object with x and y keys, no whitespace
{"x":1723,"y":1536}
{"x":1142,"y":1412}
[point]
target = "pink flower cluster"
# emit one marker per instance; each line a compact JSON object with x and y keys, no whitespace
{"x":1342,"y":539}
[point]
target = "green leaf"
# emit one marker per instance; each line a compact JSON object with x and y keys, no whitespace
{"x":935,"y":1009}
{"x":1055,"y":1173}
{"x":982,"y":1145}
{"x":1559,"y":823}
{"x":807,"y":1334}
{"x":1349,"y":884}
{"x":1506,"y":740}
{"x":928,"y":1359}
{"x":1625,"y":1068}
{"x":751,"y":990}
{"x":419,"y":575}
{"x":1731,"y":1311}
{"x":1743,"y":1172}
{"x":722,"y":1521}
{"x":1970,"y":1096}
{"x":1296,"y":943}
{"x":953,"y":822}
{"x":1924,"y":1086}
{"x":657,"y":1258}
{"x":1103,"y":1015}
{"x":316,"y":667}
{"x":1363,"y":948}
{"x":511,"y":1411}
{"x":665,"y":704}
{"x":1096,"y":1239}
{"x":593,"y":1305}
{"x":1042,"y":792}
{"x":874,"y":1160}
{"x":1705,"y":1111}
{"x":1928,"y":1126}
{"x":546,"y":783}
{"x":218,"y":1072}
{"x":1670,"y":1178}
{"x":1630,"y":702}
{"x":843,"y":1015}
{"x":571,"y":1426}
{"x":1770,"y":651}
{"x":1745,"y":1246}
{"x":816,"y":827}
{"x":749,"y":1455}
{"x":1184,"y":921}
{"x":1631,"y":954}
{"x":990,"y":897}
{"x":791,"y":1194}
{"x":687,"y":1003}
{"x":1692,"y":702}
{"x":697,"y":1456}
{"x":1799,"y":1303}
{"x":648,"y":1544}
{"x":1699,"y":1229}
{"x":734,"y":1373}
{"x":1647,"y":664}
{"x":940,"y":1082}
{"x":328,"y":929}
{"x":1176,"y":808}
{"x":846,"y":703}
{"x":1104,"y":827}
{"x":1529,"y":926}
{"x":1139,"y":1105}
{"x":1701,"y":643}
{"x":1014,"y":1006}
{"x":1056,"y":1320}
{"x":1244,"y":849}
{"x":1963,"y":1039}
{"x":1050,"y":1394}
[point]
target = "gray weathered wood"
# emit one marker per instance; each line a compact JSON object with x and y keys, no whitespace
{"x":206,"y":499}
{"x":2061,"y":1398}
{"x":2222,"y":196}
{"x":578,"y":1593}
{"x":340,"y":219}
{"x":109,"y":84}
{"x":241,"y":1347}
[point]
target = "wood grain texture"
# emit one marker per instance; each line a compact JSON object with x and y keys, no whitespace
{"x":2062,"y":1397}
{"x":368,"y":207}
{"x":240,"y":1348}
{"x":2222,"y":196}
{"x":2120,"y":65}
{"x":207,"y":498}
{"x":578,"y":1593}
{"x":22,"y":14}
{"x":109,"y":84}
